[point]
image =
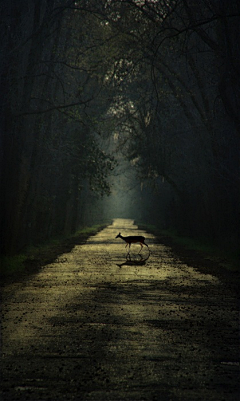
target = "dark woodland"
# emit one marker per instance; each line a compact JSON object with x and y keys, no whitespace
{"x":119,"y":109}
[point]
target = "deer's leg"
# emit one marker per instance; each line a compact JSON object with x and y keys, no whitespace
{"x":128,"y":244}
{"x":141,"y":247}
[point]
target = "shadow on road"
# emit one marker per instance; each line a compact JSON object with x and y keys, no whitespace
{"x":84,"y":329}
{"x":134,"y":262}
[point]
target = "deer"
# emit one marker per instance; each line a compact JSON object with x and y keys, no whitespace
{"x":133,"y":239}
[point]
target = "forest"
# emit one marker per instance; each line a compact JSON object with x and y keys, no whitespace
{"x":125,"y":108}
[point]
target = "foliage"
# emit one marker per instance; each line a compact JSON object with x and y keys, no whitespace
{"x":35,"y":256}
{"x":176,"y":128}
{"x":11,"y":264}
{"x":225,"y":257}
{"x":91,"y":85}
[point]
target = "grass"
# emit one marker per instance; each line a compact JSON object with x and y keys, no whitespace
{"x":44,"y":253}
{"x":228,"y":258}
{"x":11,"y":264}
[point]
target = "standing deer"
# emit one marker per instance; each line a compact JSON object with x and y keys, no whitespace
{"x":133,"y":239}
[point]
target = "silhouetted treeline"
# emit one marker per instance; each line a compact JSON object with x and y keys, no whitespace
{"x":151,"y":85}
{"x":49,"y":142}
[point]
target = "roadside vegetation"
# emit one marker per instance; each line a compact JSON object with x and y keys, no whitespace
{"x":226,"y":258}
{"x":123,"y":109}
{"x":32,"y":258}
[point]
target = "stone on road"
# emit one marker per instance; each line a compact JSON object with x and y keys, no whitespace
{"x":95,"y":326}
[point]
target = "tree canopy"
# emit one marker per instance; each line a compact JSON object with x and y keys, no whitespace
{"x":90,"y":89}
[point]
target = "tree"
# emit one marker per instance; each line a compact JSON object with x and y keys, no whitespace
{"x":50,"y":132}
{"x":178,"y":51}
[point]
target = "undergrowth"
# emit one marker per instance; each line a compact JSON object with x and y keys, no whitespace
{"x":227,"y":257}
{"x":12,"y":264}
{"x":42,"y":253}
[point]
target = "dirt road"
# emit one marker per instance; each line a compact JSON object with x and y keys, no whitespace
{"x":85,"y":328}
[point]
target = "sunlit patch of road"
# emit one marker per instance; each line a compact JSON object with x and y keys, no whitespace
{"x":85,"y":328}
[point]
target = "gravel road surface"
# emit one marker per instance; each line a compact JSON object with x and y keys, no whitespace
{"x":95,"y":326}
